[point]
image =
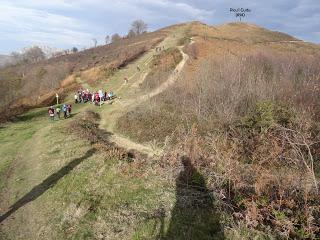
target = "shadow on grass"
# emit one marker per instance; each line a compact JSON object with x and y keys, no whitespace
{"x":194,"y":215}
{"x":62,"y":116}
{"x":48,"y":183}
{"x":29,"y":116}
{"x":38,"y":114}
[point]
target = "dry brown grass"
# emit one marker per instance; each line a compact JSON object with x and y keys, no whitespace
{"x":269,"y":185}
{"x":86,"y":126}
{"x":240,"y":32}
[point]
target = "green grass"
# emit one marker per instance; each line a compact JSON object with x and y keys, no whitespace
{"x":77,"y":195}
{"x":100,"y":189}
{"x":105,"y":191}
{"x":13,"y":136}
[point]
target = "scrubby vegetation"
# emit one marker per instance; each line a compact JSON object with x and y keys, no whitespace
{"x":86,"y":127}
{"x":250,"y":124}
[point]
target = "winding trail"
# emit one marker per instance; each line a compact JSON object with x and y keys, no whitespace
{"x":170,"y":81}
{"x":124,"y":105}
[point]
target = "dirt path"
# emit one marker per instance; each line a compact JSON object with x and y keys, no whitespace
{"x":124,"y":105}
{"x":170,"y":81}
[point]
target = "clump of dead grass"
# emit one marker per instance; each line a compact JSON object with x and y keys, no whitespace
{"x":86,"y":126}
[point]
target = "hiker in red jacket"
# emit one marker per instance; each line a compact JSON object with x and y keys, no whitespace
{"x":51,"y":113}
{"x":69,"y":109}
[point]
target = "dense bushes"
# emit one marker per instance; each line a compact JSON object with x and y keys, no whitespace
{"x":227,"y":88}
{"x":264,"y":179}
{"x":250,"y":125}
{"x":267,"y":115}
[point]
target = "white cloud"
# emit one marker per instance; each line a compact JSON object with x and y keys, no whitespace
{"x":38,"y":26}
{"x":41,"y":4}
{"x":64,"y":23}
{"x":147,"y":8}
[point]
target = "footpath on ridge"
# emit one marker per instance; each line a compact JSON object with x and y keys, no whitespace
{"x":129,"y":98}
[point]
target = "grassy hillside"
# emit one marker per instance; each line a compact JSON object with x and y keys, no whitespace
{"x":28,"y":85}
{"x":69,"y":180}
{"x":215,"y":137}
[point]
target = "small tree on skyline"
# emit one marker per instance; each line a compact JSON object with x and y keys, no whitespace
{"x":33,"y":54}
{"x":139,"y":27}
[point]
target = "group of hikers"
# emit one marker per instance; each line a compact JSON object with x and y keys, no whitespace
{"x":55,"y":111}
{"x":97,"y":98}
{"x":81,"y":96}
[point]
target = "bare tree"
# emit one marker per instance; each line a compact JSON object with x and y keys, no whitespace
{"x":95,"y":42}
{"x":139,"y":27}
{"x":33,"y":54}
{"x":28,"y":55}
{"x":107,"y":39}
{"x":115,"y":37}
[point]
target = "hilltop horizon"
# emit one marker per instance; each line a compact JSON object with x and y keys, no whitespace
{"x":66,"y":24}
{"x":52,"y":48}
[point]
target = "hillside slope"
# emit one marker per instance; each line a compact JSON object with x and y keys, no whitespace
{"x":29,"y":85}
{"x":218,"y":127}
{"x":62,"y":183}
{"x":246,"y":113}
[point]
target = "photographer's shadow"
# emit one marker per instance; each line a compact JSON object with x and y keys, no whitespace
{"x":193,"y":216}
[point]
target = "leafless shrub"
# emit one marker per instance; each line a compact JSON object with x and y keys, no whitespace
{"x":246,"y":123}
{"x":226,"y":88}
{"x":275,"y":188}
{"x":115,"y":38}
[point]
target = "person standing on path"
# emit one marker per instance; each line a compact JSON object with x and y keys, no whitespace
{"x":64,"y":109}
{"x":76,"y":98}
{"x":51,"y":113}
{"x":58,"y":111}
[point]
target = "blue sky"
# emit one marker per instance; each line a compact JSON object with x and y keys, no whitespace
{"x":68,"y":23}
